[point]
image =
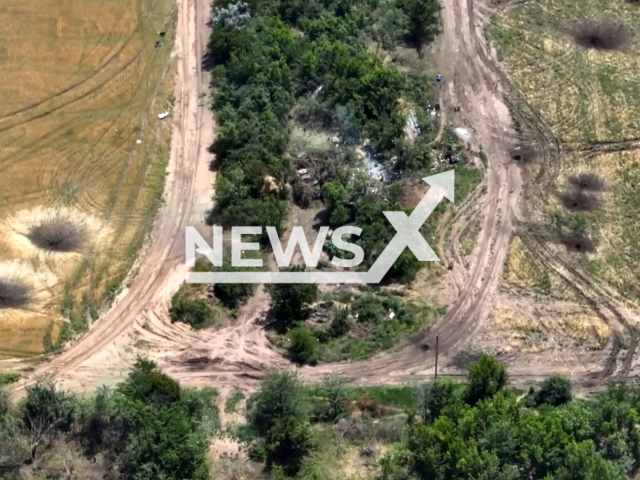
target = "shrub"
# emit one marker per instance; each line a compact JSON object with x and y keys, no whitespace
{"x":288,"y":300}
{"x":486,"y":377}
{"x":303,"y":347}
{"x":194,"y":312}
{"x":555,"y":391}
{"x":340,"y":324}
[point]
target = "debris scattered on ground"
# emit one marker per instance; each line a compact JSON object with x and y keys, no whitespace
{"x":464,"y":134}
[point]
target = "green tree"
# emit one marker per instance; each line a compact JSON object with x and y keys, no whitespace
{"x":195,"y":312}
{"x":334,"y":194}
{"x":554,"y":391}
{"x":281,"y":395}
{"x":288,"y":300}
{"x":486,"y":377}
{"x":288,"y":442}
{"x":423,"y":21}
{"x":388,"y":30}
{"x":336,"y":395}
{"x":304,"y":347}
{"x":340,"y":324}
{"x":434,"y":397}
{"x":46,"y":412}
{"x":147,"y":384}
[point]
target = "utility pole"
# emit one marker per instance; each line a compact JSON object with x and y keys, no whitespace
{"x":437,"y":345}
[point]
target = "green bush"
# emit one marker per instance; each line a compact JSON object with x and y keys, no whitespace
{"x":194,"y":312}
{"x":486,"y":377}
{"x":288,"y":300}
{"x":554,"y":391}
{"x":303,"y":348}
{"x":340,"y":325}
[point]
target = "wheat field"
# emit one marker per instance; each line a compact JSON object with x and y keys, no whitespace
{"x":82,"y":83}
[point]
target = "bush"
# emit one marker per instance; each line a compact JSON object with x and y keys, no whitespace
{"x":288,"y":442}
{"x":304,"y":347}
{"x":486,"y":377}
{"x":257,"y":452}
{"x":554,"y":391}
{"x":288,"y":300}
{"x":232,"y":295}
{"x":194,"y":312}
{"x":433,"y":398}
{"x":340,"y":324}
{"x":147,"y":384}
{"x":282,"y":394}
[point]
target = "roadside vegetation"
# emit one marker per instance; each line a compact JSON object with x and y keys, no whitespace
{"x":327,"y":87}
{"x":354,"y":327}
{"x":481,"y":428}
{"x":146,"y":428}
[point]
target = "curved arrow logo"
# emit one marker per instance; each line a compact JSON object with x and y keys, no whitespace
{"x":407,"y":236}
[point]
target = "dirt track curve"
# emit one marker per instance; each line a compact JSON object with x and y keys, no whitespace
{"x":240,"y":354}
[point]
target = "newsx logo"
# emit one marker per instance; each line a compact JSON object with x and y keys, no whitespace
{"x":408,"y":235}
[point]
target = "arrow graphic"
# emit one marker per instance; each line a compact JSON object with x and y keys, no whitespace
{"x":407,"y":235}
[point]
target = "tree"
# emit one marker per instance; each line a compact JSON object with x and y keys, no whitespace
{"x":336,"y":395}
{"x":281,"y":395}
{"x":280,"y":415}
{"x":486,"y":377}
{"x":147,"y":384}
{"x":288,"y":442}
{"x":423,"y":21}
{"x":288,"y":300}
{"x":234,"y":17}
{"x":46,"y":412}
{"x":388,"y":30}
{"x":554,"y":391}
{"x":303,"y":347}
{"x":435,"y":397}
{"x":195,"y":312}
{"x":340,"y":324}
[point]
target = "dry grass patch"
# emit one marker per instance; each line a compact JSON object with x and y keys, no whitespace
{"x":523,"y":270}
{"x":531,"y":326}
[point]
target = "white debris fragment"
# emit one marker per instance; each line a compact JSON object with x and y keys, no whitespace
{"x":463,"y":134}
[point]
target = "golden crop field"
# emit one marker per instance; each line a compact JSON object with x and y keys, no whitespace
{"x":82,"y":156}
{"x":590,"y":97}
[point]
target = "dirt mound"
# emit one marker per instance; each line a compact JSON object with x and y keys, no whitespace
{"x":523,"y":154}
{"x":58,"y":234}
{"x":14,"y":293}
{"x":599,"y":34}
{"x":587,"y":181}
{"x":578,"y":201}
{"x":579,"y":244}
